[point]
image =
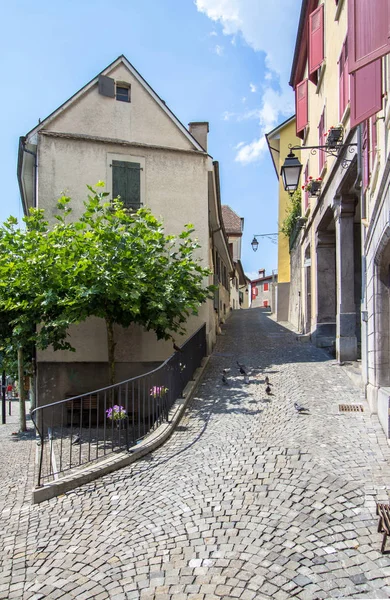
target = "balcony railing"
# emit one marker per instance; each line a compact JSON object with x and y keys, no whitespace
{"x":78,"y":431}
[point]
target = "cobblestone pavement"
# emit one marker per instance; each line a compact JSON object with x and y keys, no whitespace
{"x":246,"y":500}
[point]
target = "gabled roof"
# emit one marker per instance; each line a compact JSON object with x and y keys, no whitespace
{"x":231,"y":220}
{"x":121,"y":59}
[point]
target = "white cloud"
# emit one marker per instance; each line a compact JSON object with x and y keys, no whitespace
{"x":227,"y":115}
{"x":213,"y":33}
{"x":268,"y":27}
{"x":239,"y":145}
{"x":243,"y":100}
{"x":253,"y":87}
{"x":219,"y":50}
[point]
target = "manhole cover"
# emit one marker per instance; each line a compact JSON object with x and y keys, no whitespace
{"x":351,"y":408}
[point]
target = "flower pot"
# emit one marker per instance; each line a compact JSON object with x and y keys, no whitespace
{"x":335,"y":136}
{"x":315,"y":188}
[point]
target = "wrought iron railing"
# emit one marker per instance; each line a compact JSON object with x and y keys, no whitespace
{"x":78,"y":430}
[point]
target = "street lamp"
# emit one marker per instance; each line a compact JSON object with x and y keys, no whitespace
{"x":291,"y":172}
{"x":255,"y":243}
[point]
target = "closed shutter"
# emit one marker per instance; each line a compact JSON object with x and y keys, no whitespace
{"x":366,"y":92}
{"x":301,"y":107}
{"x":368,"y":31}
{"x":316,"y":39}
{"x":126,"y":183}
{"x":266,"y":287}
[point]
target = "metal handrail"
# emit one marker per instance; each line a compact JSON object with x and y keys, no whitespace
{"x":81,"y":420}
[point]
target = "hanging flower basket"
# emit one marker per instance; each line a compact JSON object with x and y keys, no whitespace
{"x":313,"y":186}
{"x":335,"y":136}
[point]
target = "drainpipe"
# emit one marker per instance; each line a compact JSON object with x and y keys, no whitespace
{"x":34,"y":154}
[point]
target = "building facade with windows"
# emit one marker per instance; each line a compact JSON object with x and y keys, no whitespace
{"x":340,"y":75}
{"x":287,"y":294}
{"x":234,"y":227}
{"x":117,"y":129}
{"x":264,"y":290}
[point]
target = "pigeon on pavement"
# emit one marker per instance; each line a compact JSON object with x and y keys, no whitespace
{"x":224,"y":380}
{"x":76,"y":439}
{"x":299,"y":408}
{"x":266,"y":379}
{"x":268,"y":390}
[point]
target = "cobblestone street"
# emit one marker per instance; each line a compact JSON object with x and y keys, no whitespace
{"x":247,"y":499}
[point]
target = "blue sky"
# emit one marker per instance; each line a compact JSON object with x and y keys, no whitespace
{"x":222,"y":61}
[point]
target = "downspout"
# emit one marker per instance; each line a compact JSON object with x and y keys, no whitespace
{"x":34,"y":154}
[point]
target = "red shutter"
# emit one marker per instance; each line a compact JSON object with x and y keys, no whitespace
{"x":301,"y":105}
{"x":366,"y":92}
{"x":316,"y":39}
{"x":368,"y":31}
{"x":266,"y":287}
{"x":366,"y":154}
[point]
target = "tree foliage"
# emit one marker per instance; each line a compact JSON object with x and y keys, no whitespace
{"x":293,"y":213}
{"x":110,"y":263}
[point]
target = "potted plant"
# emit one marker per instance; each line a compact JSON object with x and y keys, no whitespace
{"x":313,"y":186}
{"x":334,"y":136}
{"x":116,"y":414}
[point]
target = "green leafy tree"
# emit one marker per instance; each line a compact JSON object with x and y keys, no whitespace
{"x":127,"y":270}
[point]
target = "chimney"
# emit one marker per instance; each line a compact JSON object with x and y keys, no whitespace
{"x":199,"y":131}
{"x":262,"y":272}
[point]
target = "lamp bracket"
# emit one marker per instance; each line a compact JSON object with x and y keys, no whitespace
{"x":333,"y":150}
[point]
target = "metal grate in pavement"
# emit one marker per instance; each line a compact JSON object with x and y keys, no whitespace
{"x":351,"y":408}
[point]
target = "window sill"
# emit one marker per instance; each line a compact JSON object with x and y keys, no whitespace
{"x":387,"y":116}
{"x":321,"y":77}
{"x":338,"y":10}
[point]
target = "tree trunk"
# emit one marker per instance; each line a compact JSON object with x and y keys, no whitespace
{"x":22,"y":396}
{"x":111,"y":351}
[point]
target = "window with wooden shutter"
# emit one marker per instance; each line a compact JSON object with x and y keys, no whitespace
{"x":266,"y":287}
{"x":301,"y":106}
{"x":316,"y":39}
{"x":366,"y":92}
{"x":368,"y":31}
{"x":343,"y":79}
{"x":126,"y":183}
{"x":321,"y":141}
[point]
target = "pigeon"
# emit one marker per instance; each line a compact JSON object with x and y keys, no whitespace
{"x":240,"y":366}
{"x":224,"y":380}
{"x":299,"y":408}
{"x":268,"y":390}
{"x":76,"y":439}
{"x":225,"y":371}
{"x":176,"y":348}
{"x":267,"y":380}
{"x":242,"y":370}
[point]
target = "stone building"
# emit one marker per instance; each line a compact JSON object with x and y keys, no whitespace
{"x":117,"y":129}
{"x":264,"y":291}
{"x":234,"y":227}
{"x":340,"y":75}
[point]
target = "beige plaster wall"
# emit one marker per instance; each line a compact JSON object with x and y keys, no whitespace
{"x":141,"y":120}
{"x":175,"y":188}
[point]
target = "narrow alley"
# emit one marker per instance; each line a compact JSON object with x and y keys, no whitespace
{"x":248,"y":499}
